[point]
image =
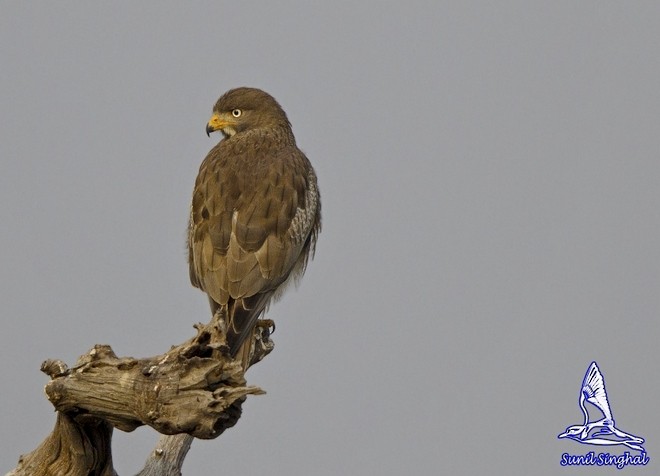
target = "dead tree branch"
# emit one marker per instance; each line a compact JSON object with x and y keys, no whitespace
{"x":196,"y":389}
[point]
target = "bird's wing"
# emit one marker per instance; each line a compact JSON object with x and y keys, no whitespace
{"x":254,"y":219}
{"x":593,"y":389}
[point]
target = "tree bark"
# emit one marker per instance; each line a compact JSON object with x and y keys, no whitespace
{"x":196,"y":389}
{"x":167,"y":457}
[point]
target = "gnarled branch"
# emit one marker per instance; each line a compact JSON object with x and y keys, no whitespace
{"x":195,"y":389}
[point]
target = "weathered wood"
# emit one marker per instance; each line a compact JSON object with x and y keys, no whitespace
{"x":167,"y":457}
{"x":74,"y":448}
{"x":196,"y":389}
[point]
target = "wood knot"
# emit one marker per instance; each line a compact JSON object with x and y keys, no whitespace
{"x":54,"y":368}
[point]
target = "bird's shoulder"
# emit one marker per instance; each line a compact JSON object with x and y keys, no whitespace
{"x":254,"y":188}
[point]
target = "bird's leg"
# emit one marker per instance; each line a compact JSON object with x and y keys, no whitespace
{"x":220,"y":319}
{"x":263,"y":345}
{"x":627,"y":436}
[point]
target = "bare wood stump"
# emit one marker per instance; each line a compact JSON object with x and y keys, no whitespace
{"x":196,"y":389}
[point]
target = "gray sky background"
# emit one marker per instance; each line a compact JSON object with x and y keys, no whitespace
{"x":490,"y":178}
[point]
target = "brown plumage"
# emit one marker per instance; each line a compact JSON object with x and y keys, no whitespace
{"x":255,"y":213}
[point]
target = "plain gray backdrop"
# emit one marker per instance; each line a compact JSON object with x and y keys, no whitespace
{"x":490,"y":179}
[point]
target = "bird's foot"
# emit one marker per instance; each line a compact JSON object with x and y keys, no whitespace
{"x":267,"y":326}
{"x":263,"y":345}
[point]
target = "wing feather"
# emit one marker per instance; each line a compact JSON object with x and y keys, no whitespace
{"x":593,"y":389}
{"x":254,"y":219}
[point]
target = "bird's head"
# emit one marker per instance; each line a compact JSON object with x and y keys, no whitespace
{"x":575,"y":432}
{"x":243,"y":109}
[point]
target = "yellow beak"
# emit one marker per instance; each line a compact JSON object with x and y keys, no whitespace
{"x":216,"y":123}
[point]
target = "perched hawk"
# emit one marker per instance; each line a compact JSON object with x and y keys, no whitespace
{"x":255,"y":213}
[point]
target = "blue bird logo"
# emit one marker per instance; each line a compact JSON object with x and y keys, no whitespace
{"x":601,"y":432}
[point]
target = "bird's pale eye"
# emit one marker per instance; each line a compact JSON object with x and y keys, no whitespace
{"x":236,"y":113}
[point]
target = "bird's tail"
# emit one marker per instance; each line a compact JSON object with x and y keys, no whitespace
{"x":241,"y":318}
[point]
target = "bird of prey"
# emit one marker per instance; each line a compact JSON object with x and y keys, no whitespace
{"x":255,"y":213}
